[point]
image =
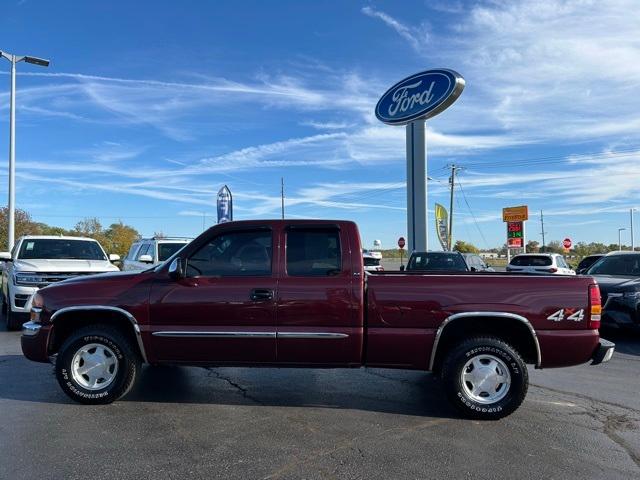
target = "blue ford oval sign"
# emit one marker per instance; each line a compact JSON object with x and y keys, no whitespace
{"x":422,"y":95}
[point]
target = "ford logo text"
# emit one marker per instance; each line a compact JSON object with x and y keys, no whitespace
{"x":420,"y":96}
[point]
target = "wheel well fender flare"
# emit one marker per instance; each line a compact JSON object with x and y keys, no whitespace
{"x":106,"y":308}
{"x":503,"y":315}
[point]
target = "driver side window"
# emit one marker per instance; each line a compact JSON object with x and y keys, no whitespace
{"x":233,"y":254}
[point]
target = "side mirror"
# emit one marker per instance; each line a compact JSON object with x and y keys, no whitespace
{"x":5,"y":256}
{"x":176,"y":269}
{"x":114,"y":257}
{"x":473,"y":269}
{"x":145,"y":258}
{"x":402,"y":268}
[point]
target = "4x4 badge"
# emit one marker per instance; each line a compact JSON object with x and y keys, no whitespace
{"x":568,"y":313}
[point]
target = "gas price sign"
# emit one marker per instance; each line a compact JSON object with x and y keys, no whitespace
{"x":515,"y":235}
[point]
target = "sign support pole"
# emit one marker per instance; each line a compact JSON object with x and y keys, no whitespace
{"x":417,"y":186}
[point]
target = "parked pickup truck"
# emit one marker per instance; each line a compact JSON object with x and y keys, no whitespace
{"x":295,"y":294}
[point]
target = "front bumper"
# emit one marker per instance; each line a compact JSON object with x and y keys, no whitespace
{"x":20,"y":295}
{"x":603,"y":352}
{"x":35,"y":341}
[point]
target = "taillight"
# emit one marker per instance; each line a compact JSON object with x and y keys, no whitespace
{"x":554,"y":270}
{"x":595,"y":306}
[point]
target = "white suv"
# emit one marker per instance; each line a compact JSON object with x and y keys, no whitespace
{"x":542,"y":263}
{"x":148,"y":252}
{"x":38,"y":260}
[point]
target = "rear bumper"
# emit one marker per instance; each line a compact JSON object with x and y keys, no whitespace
{"x":603,"y":352}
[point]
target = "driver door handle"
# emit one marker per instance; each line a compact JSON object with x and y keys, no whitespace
{"x":261,"y":294}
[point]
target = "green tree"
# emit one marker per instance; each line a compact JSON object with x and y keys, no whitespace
{"x":24,"y":225}
{"x":533,"y":246}
{"x":464,"y":247}
{"x":119,"y":237}
{"x":554,"y":247}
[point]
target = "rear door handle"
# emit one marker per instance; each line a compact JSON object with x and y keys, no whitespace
{"x":261,"y":294}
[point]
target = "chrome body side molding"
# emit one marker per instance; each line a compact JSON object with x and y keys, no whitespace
{"x":201,"y":334}
{"x":242,"y":334}
{"x":511,"y":316}
{"x":89,"y":308}
{"x":322,"y":335}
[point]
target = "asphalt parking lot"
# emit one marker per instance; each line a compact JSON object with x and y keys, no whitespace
{"x":580,"y":422}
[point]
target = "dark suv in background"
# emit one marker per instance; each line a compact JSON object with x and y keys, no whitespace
{"x":437,"y":261}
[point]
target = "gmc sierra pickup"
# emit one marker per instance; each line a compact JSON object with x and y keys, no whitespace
{"x":295,"y":294}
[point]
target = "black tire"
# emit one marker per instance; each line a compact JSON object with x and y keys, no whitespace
{"x":127,"y":360}
{"x":483,"y":349}
{"x":14,"y":322}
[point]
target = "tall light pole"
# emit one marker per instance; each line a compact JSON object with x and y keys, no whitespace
{"x":633,"y":240}
{"x":620,"y":230}
{"x":12,"y":137}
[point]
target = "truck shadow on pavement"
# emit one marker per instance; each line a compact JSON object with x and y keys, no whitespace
{"x":378,"y":390}
{"x":384,"y":391}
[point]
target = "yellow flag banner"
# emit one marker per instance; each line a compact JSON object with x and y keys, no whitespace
{"x":442,"y":226}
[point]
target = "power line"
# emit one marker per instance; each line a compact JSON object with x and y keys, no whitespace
{"x":484,"y":240}
{"x":549,"y":160}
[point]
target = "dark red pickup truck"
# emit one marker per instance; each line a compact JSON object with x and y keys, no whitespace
{"x":295,"y":294}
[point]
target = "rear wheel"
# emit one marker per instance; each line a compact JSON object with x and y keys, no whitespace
{"x":97,"y":365}
{"x":485,"y":378}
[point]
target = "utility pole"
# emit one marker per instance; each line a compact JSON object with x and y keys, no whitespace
{"x":544,"y":245}
{"x":452,"y":183}
{"x":282,"y":195}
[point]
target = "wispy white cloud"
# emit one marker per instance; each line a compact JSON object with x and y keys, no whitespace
{"x":414,"y":36}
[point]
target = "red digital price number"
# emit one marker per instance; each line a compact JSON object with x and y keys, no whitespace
{"x":514,"y":230}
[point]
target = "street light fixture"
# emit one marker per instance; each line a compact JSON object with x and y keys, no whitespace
{"x":620,"y":230}
{"x":12,"y":136}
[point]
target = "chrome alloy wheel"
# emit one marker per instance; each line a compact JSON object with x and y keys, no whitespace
{"x":485,"y":379}
{"x":94,"y":366}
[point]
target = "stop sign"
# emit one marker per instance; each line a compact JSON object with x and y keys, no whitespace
{"x":401,"y":242}
{"x":566,"y":243}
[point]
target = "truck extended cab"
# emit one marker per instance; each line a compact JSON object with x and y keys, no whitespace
{"x":295,"y":294}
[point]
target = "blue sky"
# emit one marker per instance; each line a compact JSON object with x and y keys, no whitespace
{"x":149,"y":107}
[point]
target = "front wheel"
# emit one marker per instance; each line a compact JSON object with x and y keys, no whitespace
{"x":97,"y":365}
{"x":485,"y":378}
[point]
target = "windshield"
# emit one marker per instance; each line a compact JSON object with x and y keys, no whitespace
{"x":60,"y":249}
{"x":626,"y":265}
{"x":165,"y":250}
{"x":437,"y":261}
{"x":531,"y":261}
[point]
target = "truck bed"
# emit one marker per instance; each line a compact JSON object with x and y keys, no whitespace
{"x":405,"y":311}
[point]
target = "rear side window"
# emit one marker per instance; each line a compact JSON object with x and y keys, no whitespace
{"x":165,"y":250}
{"x":531,"y":261}
{"x":371,"y":262}
{"x":313,"y":252}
